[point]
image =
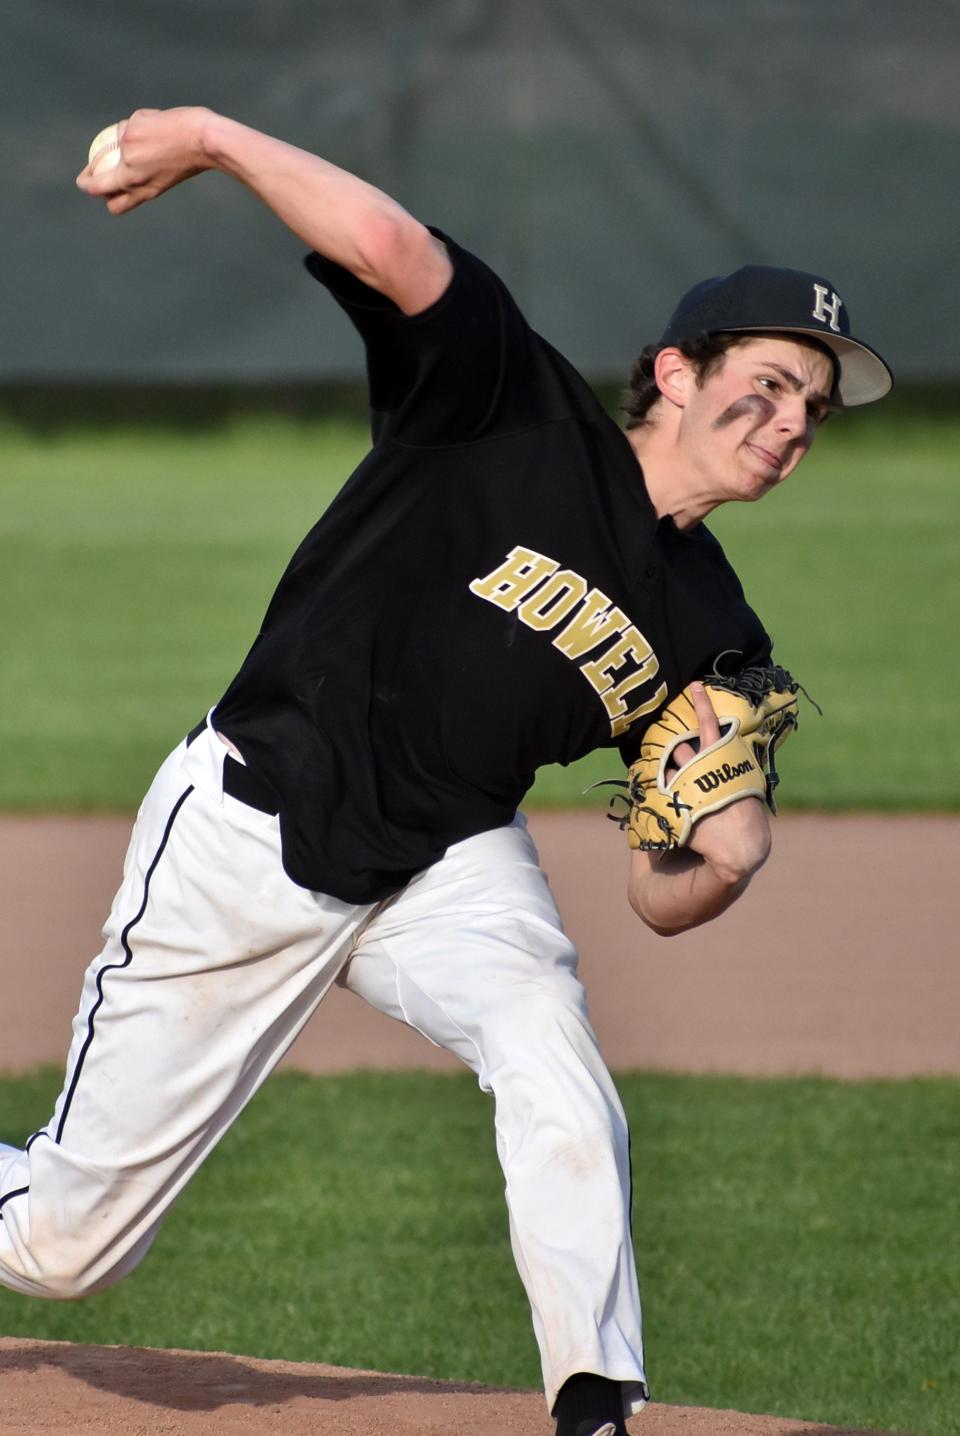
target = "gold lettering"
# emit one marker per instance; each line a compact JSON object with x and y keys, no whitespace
{"x":600,"y":673}
{"x":520,"y":572}
{"x":545,"y":594}
{"x":590,"y":625}
{"x":620,"y":724}
{"x":553,"y":601}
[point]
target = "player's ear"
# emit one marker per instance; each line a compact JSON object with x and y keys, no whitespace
{"x":674,"y":374}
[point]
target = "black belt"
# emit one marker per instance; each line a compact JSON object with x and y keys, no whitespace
{"x":240,"y":783}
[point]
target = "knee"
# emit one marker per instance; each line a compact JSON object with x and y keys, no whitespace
{"x":63,"y":1287}
{"x":549,"y":1074}
{"x":59,"y":1267}
{"x":546,"y":1029}
{"x":57,"y":1277}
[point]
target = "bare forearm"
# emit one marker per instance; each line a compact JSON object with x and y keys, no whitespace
{"x":682,"y":891}
{"x":336,"y":213}
{"x":675,"y":891}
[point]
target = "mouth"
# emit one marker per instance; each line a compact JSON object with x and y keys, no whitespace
{"x":767,"y":457}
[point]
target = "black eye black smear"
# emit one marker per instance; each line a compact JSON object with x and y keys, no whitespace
{"x":753,"y":404}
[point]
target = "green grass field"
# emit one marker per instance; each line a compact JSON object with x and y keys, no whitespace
{"x":798,"y":1241}
{"x":136,"y":564}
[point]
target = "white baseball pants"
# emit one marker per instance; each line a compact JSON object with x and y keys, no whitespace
{"x":213,"y":962}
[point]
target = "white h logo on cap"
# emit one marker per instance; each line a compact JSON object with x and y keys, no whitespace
{"x":827,"y":310}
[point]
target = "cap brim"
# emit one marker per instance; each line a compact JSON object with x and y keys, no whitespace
{"x":864,"y":377}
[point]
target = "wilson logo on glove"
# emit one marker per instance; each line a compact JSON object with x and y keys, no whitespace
{"x":756,"y":710}
{"x":707,"y":782}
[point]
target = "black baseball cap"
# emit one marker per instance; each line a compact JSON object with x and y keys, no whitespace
{"x":789,"y":301}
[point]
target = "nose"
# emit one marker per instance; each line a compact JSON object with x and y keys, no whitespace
{"x":792,"y":417}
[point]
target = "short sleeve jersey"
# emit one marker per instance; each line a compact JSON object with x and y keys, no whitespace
{"x":490,"y":591}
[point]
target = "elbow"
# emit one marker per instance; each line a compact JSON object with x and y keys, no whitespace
{"x":380,"y":242}
{"x":660,"y":931}
{"x":656,"y":922}
{"x":394,"y":251}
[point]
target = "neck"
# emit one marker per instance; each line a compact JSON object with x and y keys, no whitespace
{"x":673,"y":488}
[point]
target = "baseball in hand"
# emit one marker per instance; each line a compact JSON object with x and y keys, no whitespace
{"x":105,"y":150}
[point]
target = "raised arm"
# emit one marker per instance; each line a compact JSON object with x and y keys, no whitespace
{"x":678,"y":890}
{"x":330,"y":210}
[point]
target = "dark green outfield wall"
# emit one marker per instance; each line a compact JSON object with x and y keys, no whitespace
{"x":603,"y":157}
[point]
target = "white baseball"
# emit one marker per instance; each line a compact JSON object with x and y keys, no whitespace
{"x":105,"y":150}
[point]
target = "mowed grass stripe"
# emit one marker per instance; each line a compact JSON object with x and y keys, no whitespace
{"x":136,"y":565}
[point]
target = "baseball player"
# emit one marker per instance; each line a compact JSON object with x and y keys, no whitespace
{"x":508,"y":579}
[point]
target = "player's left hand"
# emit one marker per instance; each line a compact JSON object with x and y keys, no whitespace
{"x":736,"y":840}
{"x":708,"y":728}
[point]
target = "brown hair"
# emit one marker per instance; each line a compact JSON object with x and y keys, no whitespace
{"x":705,"y":354}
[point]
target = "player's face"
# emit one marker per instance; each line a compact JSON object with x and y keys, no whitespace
{"x":755,"y":417}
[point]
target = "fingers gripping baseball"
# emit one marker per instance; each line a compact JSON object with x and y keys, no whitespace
{"x":139,"y":158}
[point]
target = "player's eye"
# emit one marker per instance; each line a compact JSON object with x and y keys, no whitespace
{"x":770,"y":383}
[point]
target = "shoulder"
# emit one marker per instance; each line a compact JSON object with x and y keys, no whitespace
{"x":451,"y":275}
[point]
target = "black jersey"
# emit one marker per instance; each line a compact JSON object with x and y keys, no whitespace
{"x":489,"y":592}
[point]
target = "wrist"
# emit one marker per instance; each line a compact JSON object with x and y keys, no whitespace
{"x":738,"y":848}
{"x":214,"y":135}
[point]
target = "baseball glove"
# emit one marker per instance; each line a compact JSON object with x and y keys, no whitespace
{"x":756,"y":710}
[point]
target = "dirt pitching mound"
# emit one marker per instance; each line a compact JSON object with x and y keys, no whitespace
{"x":53,"y":1388}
